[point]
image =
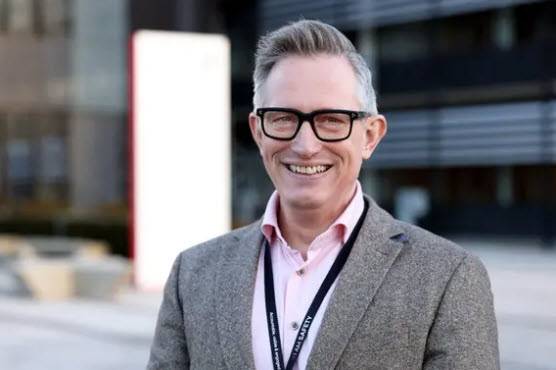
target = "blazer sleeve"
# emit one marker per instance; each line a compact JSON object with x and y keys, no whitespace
{"x":169,"y":347}
{"x":464,"y":333}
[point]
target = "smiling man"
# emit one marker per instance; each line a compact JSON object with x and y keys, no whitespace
{"x":326,"y":279}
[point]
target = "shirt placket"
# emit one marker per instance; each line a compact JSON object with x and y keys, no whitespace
{"x":295,"y":306}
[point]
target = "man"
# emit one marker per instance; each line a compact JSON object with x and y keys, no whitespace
{"x":326,"y":279}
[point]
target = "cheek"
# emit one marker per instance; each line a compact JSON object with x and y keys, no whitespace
{"x":359,"y":152}
{"x":269,"y":151}
{"x":353,"y":160}
{"x":352,"y":154}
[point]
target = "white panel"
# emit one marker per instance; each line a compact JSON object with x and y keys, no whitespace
{"x":181,"y":147}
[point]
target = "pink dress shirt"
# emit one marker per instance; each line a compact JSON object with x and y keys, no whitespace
{"x":296,"y":281}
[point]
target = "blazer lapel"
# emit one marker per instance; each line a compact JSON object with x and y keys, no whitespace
{"x":371,"y":257}
{"x":234,"y":291}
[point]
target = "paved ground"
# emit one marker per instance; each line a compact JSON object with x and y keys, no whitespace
{"x":92,"y":335}
{"x":524,"y":285}
{"x":77,"y":334}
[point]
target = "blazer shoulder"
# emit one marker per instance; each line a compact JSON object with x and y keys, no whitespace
{"x":202,"y":254}
{"x":435,"y":250}
{"x":432,"y":265}
{"x":422,"y":249}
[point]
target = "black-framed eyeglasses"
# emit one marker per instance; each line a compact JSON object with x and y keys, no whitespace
{"x":327,"y":124}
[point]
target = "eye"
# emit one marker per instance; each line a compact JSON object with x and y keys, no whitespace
{"x":333,"y":119}
{"x":284,"y":118}
{"x":280,"y":118}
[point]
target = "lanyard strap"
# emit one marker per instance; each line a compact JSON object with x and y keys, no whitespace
{"x":271,"y":313}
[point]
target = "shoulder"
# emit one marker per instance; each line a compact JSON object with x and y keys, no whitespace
{"x":422,"y":252}
{"x":430,"y":269}
{"x":430,"y":244}
{"x":434,"y":255}
{"x":207,"y":253}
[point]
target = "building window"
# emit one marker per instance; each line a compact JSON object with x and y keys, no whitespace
{"x":4,"y":13}
{"x":34,"y":157}
{"x":38,"y":17}
{"x":402,"y":43}
{"x":19,"y":156}
{"x":20,"y":16}
{"x":57,"y":16}
{"x":3,"y":131}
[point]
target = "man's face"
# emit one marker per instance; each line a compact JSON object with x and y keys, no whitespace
{"x":308,"y":84}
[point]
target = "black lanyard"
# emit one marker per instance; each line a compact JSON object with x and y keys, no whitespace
{"x":271,"y":314}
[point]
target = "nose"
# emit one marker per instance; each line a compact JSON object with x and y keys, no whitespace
{"x":305,"y":143}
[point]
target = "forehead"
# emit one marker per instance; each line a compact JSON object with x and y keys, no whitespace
{"x":312,"y":82}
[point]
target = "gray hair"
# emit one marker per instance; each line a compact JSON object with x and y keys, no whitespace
{"x":309,"y":38}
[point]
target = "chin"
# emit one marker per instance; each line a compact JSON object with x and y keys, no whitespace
{"x":307,"y":201}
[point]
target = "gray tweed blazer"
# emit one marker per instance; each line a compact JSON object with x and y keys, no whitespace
{"x":406,"y":299}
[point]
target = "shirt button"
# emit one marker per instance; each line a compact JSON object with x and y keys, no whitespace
{"x":294,"y":325}
{"x":300,"y":272}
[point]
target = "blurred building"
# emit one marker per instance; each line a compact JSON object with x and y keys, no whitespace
{"x":64,"y":105}
{"x":63,"y":109}
{"x":468,"y":88}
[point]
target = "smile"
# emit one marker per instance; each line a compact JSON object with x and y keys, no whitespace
{"x":308,"y":170}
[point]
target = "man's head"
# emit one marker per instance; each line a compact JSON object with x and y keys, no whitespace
{"x":313,"y":160}
{"x":310,"y":38}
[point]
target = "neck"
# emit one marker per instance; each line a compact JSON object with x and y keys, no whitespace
{"x":300,"y":226}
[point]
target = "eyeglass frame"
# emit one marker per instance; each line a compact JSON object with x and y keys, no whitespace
{"x":309,"y":117}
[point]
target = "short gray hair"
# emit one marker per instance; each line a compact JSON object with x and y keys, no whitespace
{"x":310,"y":38}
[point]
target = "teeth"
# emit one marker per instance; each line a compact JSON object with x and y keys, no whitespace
{"x":308,"y":170}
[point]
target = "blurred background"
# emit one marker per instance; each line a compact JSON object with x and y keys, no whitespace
{"x":469,"y":91}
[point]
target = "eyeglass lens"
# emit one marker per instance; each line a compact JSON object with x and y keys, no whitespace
{"x":328,"y":126}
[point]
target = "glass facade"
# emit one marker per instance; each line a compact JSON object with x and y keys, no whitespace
{"x":62,"y":104}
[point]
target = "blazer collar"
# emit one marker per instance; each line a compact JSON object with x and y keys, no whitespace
{"x":234,"y":289}
{"x":373,"y":253}
{"x":377,"y":246}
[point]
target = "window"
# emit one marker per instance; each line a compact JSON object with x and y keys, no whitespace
{"x":56,"y":16}
{"x":38,"y":17}
{"x":20,"y":15}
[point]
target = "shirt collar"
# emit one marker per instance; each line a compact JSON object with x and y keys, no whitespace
{"x":345,"y":222}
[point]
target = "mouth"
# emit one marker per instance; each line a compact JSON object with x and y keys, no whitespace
{"x":308,"y":170}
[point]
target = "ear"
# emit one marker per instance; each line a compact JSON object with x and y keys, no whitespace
{"x":375,"y":129}
{"x":255,"y":130}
